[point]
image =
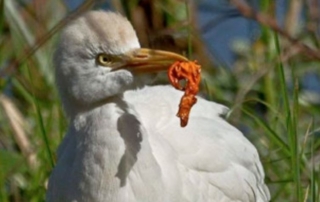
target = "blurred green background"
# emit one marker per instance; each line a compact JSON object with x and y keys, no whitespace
{"x":263,"y":86}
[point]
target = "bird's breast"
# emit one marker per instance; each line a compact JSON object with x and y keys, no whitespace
{"x":110,"y":157}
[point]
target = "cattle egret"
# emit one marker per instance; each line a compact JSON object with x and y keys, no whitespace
{"x":124,"y":142}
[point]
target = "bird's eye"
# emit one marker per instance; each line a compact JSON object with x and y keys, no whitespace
{"x":104,"y":59}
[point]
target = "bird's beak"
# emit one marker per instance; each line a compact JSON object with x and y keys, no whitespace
{"x":148,"y":60}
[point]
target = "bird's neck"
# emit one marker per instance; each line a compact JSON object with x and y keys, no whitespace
{"x":104,"y":143}
{"x":99,"y":130}
{"x":96,"y":132}
{"x":102,"y":115}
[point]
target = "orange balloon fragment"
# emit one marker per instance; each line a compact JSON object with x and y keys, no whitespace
{"x":189,"y":72}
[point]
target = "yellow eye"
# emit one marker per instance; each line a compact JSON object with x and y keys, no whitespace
{"x":104,"y":59}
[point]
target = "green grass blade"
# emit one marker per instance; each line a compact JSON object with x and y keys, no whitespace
{"x":40,"y":122}
{"x":291,"y":121}
{"x":274,"y":137}
{"x":22,"y":91}
{"x":43,"y":132}
{"x":283,"y":87}
{"x":295,"y":144}
{"x":313,"y":173}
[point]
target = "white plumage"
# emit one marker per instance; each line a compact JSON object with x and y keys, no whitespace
{"x":124,"y":143}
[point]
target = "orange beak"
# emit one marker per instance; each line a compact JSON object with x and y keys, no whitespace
{"x":145,"y":60}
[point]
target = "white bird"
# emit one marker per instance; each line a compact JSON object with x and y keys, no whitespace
{"x":124,"y":142}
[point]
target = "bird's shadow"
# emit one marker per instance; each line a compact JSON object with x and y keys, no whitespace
{"x":129,"y":128}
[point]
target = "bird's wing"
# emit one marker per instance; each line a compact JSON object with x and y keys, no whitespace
{"x":209,"y":152}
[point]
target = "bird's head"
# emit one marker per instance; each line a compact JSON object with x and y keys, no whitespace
{"x":97,"y":58}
